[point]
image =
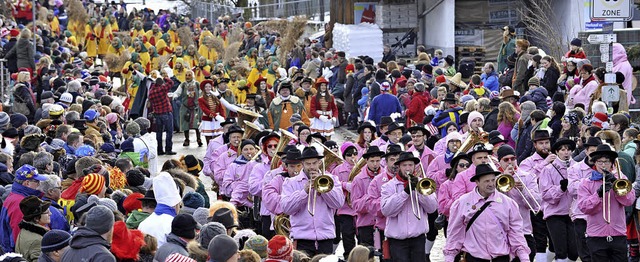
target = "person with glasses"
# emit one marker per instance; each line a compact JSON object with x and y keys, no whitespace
{"x":458,"y":164}
{"x":579,"y":172}
{"x":606,"y":239}
{"x":436,"y":170}
{"x":268,"y":144}
{"x":529,"y":195}
{"x":479,"y":154}
{"x":52,"y":191}
{"x":25,"y":184}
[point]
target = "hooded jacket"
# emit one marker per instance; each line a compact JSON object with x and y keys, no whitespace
{"x":135,"y":218}
{"x":621,"y":64}
{"x":537,"y":96}
{"x":87,"y":245}
{"x":10,"y":216}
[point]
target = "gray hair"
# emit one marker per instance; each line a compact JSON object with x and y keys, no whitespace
{"x":42,"y":159}
{"x":599,"y":106}
{"x":52,"y":182}
{"x":71,"y":117}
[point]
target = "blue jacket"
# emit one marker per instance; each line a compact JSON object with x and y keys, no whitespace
{"x":443,"y":117}
{"x":10,"y":215}
{"x":70,"y":151}
{"x":6,"y":178}
{"x":383,"y":105}
{"x":491,"y":81}
{"x":537,"y":96}
{"x":58,"y":221}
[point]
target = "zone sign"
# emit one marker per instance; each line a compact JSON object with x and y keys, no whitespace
{"x":611,"y":10}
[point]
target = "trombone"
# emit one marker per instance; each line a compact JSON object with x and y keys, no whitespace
{"x":426,"y":186}
{"x":321,"y":184}
{"x":621,"y":187}
{"x":504,"y":184}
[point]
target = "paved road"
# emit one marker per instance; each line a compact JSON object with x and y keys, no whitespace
{"x":342,"y":134}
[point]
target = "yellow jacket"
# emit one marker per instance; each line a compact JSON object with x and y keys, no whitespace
{"x":209,"y":53}
{"x":181,"y":76}
{"x":55,"y":26}
{"x":163,"y":48}
{"x":253,"y":76}
{"x":104,"y":38}
{"x":91,"y":41}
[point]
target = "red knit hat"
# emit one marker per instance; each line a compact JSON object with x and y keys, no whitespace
{"x":126,"y":242}
{"x":132,"y":202}
{"x":14,"y":33}
{"x":350,"y":68}
{"x":92,"y":184}
{"x":440,"y":79}
{"x":435,"y":102}
{"x":280,"y":247}
{"x":599,"y":119}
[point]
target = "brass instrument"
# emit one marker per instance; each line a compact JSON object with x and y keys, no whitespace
{"x":504,"y":184}
{"x":245,"y":115}
{"x":426,"y":186}
{"x":621,"y":187}
{"x":282,"y":225}
{"x":330,"y":158}
{"x":285,"y":138}
{"x":321,"y":184}
{"x":472,"y":139}
{"x":354,"y":172}
{"x":250,"y":130}
{"x":258,"y":153}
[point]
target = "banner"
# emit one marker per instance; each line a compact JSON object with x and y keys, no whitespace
{"x":364,"y":13}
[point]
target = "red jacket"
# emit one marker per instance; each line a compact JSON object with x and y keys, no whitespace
{"x":316,"y":106}
{"x":207,"y":112}
{"x":415,"y":112}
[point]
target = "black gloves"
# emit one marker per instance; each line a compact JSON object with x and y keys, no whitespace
{"x":610,"y":177}
{"x":607,"y":187}
{"x":413,"y":182}
{"x":563,"y":185}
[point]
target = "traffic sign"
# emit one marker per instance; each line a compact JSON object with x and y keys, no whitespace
{"x":611,"y":10}
{"x":610,"y":78}
{"x":604,"y":57}
{"x":604,"y":48}
{"x":610,"y":94}
{"x":609,"y":66}
{"x":602,"y":38}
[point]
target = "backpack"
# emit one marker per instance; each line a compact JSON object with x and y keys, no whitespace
{"x":138,"y":158}
{"x":506,"y":79}
{"x":466,"y":67}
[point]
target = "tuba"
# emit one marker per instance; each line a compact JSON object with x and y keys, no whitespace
{"x":330,"y":158}
{"x":245,"y":115}
{"x":285,"y":138}
{"x":250,"y":130}
{"x":282,"y":225}
{"x":472,"y":139}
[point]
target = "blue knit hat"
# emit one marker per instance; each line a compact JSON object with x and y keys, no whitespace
{"x":55,"y":240}
{"x":193,"y":200}
{"x":85,"y":150}
{"x":17,"y":120}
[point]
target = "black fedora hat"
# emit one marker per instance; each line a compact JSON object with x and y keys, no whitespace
{"x":603,"y":150}
{"x":540,"y":134}
{"x":225,"y":217}
{"x":450,"y":97}
{"x":292,"y":156}
{"x":393,"y":150}
{"x":563,"y":141}
{"x":496,"y":137}
{"x":394,"y":126}
{"x":286,"y":149}
{"x":194,"y":165}
{"x":251,"y":96}
{"x":317,"y":136}
{"x":269,"y":136}
{"x":483,"y":169}
{"x":365,"y":125}
{"x":593,"y":141}
{"x":385,"y":121}
{"x":457,"y":158}
{"x":310,"y":152}
{"x":407,"y":156}
{"x":234,"y":129}
{"x":479,"y":148}
{"x":373,"y":151}
{"x":149,"y":195}
{"x":256,"y":138}
{"x":419,"y":127}
{"x":228,"y":120}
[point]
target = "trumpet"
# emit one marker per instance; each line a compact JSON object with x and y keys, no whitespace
{"x":621,"y":187}
{"x":282,"y":225}
{"x":504,"y":184}
{"x":426,"y":186}
{"x":321,"y":184}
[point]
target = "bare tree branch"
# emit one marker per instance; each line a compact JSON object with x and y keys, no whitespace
{"x":539,"y":16}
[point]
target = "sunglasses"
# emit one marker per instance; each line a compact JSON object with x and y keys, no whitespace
{"x":272,"y":145}
{"x":463,"y":165}
{"x":509,"y":159}
{"x":349,"y":154}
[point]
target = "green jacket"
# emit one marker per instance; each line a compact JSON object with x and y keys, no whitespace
{"x":275,"y":109}
{"x":135,"y":218}
{"x":505,"y":51}
{"x":29,"y":238}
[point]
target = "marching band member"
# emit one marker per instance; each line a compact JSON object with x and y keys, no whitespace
{"x":366,"y":135}
{"x":374,"y":192}
{"x":436,"y":170}
{"x":395,"y":131}
{"x":365,"y":219}
{"x":219,"y":141}
{"x":479,"y":154}
{"x":445,"y":191}
{"x":272,"y":181}
{"x":313,"y":234}
{"x":268,"y":144}
{"x":405,"y":232}
{"x":224,"y":156}
{"x":213,"y":112}
{"x":381,"y":141}
{"x":323,"y":109}
{"x":606,"y":240}
{"x":526,"y":183}
{"x":556,"y":201}
{"x":234,"y":182}
{"x":579,"y":172}
{"x":345,"y":224}
{"x":485,"y":225}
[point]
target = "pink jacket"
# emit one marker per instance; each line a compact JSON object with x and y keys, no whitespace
{"x":374,"y":192}
{"x":533,"y":164}
{"x":436,"y":170}
{"x":342,"y":172}
{"x":360,"y":200}
{"x":210,"y":156}
{"x":621,"y":64}
{"x":380,"y":143}
{"x":321,"y":226}
{"x":256,"y":178}
{"x":462,"y":183}
{"x":590,"y":203}
{"x":426,"y":157}
{"x":496,"y":232}
{"x":554,"y":201}
{"x":440,"y":147}
{"x":225,"y":157}
{"x":396,"y":206}
{"x":532,"y":195}
{"x":577,"y":173}
{"x":445,"y":197}
{"x":271,"y":191}
{"x":236,"y":183}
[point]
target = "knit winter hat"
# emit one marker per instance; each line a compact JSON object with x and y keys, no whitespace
{"x":209,"y":231}
{"x":66,"y":98}
{"x":534,"y":81}
{"x":85,"y":150}
{"x":92,"y":184}
{"x":132,"y":203}
{"x":17,"y":120}
{"x":385,"y":86}
{"x":143,"y":123}
{"x":221,"y":248}
{"x":200,"y":215}
{"x":600,"y":120}
{"x":183,"y":225}
{"x":112,"y":118}
{"x":505,"y":150}
{"x":135,"y":178}
{"x":455,"y":135}
{"x":193,"y":200}
{"x":132,"y":128}
{"x":4,"y":120}
{"x":473,"y":115}
{"x":54,"y":240}
{"x":280,"y":247}
{"x":99,"y":219}
{"x":258,"y":244}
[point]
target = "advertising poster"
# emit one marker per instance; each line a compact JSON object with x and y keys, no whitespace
{"x":364,"y":13}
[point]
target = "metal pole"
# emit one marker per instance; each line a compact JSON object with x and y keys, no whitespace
{"x":34,"y":25}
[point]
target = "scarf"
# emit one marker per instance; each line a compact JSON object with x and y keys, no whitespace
{"x":595,"y":175}
{"x":448,"y":156}
{"x":164,"y":209}
{"x":241,"y":160}
{"x":401,"y":179}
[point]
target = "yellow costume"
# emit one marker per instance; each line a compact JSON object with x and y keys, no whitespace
{"x":175,"y":41}
{"x":209,"y":53}
{"x":204,"y":34}
{"x":104,"y":38}
{"x":153,"y":38}
{"x":253,"y":76}
{"x":200,"y":72}
{"x":180,"y":75}
{"x":91,"y":41}
{"x":163,"y":48}
{"x":55,"y":26}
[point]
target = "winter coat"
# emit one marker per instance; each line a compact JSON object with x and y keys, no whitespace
{"x":505,"y":51}
{"x":6,"y":178}
{"x":581,"y":94}
{"x":173,"y":245}
{"x":87,"y":245}
{"x":621,"y":64}
{"x":58,"y":221}
{"x":519,"y":76}
{"x":537,"y":96}
{"x":550,"y":80}
{"x":135,"y":218}
{"x":524,"y":145}
{"x":24,"y":94}
{"x":415,"y":112}
{"x":490,"y":81}
{"x":24,"y":53}
{"x":383,"y":105}
{"x":10,"y":216}
{"x":28,"y":242}
{"x":12,"y":64}
{"x":348,"y":95}
{"x":491,"y":121}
